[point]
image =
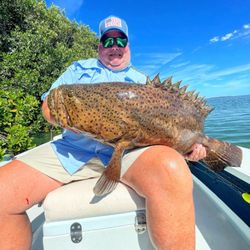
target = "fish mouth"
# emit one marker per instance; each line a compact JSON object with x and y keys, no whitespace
{"x":56,"y":104}
{"x":53,"y":103}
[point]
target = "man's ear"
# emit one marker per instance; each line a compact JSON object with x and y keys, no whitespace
{"x":99,"y":47}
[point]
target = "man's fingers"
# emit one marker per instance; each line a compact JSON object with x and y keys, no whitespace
{"x":198,"y":153}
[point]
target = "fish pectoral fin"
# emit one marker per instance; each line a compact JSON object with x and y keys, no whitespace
{"x":111,"y":175}
{"x":104,"y":185}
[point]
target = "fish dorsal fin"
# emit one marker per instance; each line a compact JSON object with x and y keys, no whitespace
{"x":156,"y":81}
{"x":177,"y":84}
{"x":176,"y":89}
{"x":167,"y":82}
{"x":148,"y":81}
{"x":183,"y":89}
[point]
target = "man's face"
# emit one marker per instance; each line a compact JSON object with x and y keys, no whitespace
{"x":114,"y":57}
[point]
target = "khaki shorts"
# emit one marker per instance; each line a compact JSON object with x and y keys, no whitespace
{"x":44,"y":159}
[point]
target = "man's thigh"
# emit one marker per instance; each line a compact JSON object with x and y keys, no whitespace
{"x":129,"y":158}
{"x":44,"y":159}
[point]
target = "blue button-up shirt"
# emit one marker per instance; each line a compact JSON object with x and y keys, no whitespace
{"x":74,"y":150}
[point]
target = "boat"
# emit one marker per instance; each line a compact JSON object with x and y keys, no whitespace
{"x":72,"y":218}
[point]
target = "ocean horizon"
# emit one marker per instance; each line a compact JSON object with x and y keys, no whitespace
{"x":230,"y":119}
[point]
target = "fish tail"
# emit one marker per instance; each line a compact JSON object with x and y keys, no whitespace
{"x":104,"y":185}
{"x":222,"y":154}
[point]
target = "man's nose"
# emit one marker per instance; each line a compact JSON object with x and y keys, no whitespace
{"x":115,"y":47}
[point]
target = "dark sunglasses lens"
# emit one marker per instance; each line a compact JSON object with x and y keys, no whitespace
{"x":121,"y":42}
{"x":108,"y":42}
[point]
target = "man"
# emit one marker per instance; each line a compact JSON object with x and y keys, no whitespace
{"x":164,"y":180}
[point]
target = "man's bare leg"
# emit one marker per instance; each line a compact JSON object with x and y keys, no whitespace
{"x":20,"y":188}
{"x":162,"y":176}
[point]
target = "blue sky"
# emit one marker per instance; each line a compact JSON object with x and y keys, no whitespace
{"x":206,"y":44}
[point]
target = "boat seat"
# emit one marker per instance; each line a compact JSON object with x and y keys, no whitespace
{"x":77,"y":200}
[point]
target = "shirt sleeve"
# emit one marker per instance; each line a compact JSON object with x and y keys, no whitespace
{"x":135,"y":76}
{"x":68,"y":77}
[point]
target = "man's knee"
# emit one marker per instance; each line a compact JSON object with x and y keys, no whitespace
{"x":159,"y":168}
{"x":5,"y":186}
{"x":15,"y":197}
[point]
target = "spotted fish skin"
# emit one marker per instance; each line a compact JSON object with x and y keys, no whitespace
{"x":127,"y":116}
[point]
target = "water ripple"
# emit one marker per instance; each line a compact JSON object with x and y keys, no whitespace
{"x":230,"y":120}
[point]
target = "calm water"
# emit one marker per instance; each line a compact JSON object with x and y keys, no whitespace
{"x":230,"y":120}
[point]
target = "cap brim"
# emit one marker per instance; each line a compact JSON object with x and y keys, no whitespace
{"x":112,"y":29}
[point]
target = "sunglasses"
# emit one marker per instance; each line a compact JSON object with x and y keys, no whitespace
{"x":108,"y":42}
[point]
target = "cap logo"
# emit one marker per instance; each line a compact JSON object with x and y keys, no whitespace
{"x":113,"y":21}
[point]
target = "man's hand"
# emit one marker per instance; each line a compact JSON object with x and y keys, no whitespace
{"x":198,"y":152}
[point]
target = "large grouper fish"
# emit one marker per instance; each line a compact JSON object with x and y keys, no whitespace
{"x":127,"y":116}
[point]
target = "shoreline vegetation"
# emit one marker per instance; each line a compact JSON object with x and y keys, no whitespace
{"x":36,"y":45}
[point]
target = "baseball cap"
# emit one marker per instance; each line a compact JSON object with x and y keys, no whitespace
{"x":113,"y":23}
